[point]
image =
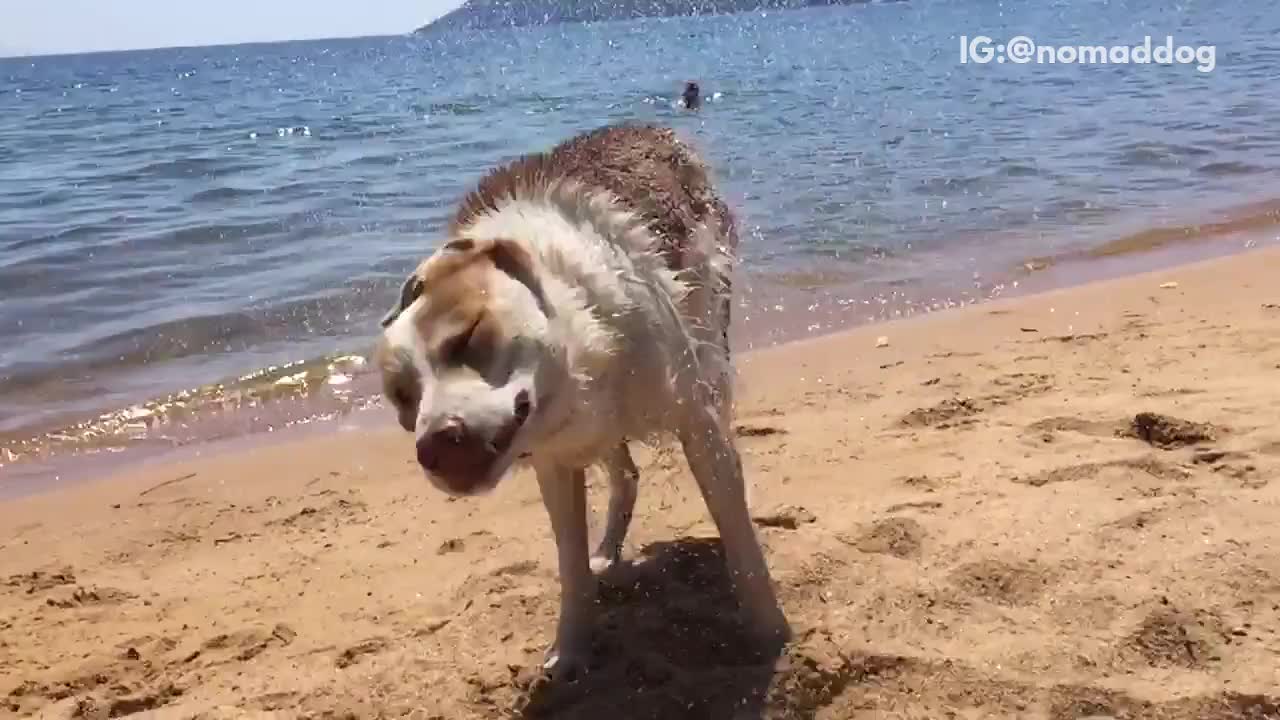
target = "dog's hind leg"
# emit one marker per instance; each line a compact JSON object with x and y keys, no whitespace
{"x":623,"y":488}
{"x":708,"y":307}
{"x":716,"y":466}
{"x":725,"y":377}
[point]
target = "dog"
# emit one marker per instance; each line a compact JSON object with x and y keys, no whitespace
{"x":581,"y":300}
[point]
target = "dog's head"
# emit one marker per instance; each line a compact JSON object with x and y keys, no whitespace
{"x":469,"y":362}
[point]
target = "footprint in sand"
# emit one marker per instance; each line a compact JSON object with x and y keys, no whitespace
{"x":1003,"y":582}
{"x":786,"y":517}
{"x":41,"y":580}
{"x":359,"y":651}
{"x":1169,"y":637}
{"x":757,"y":431}
{"x":899,"y":537}
{"x":1066,"y":424}
{"x":1148,"y":467}
{"x":83,"y":597}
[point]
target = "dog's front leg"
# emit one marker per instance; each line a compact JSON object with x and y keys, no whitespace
{"x":715,"y":465}
{"x":564,"y":495}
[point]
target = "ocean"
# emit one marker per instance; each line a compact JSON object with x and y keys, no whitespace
{"x":197,"y":243}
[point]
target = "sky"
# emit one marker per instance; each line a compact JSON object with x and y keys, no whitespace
{"x":65,"y":26}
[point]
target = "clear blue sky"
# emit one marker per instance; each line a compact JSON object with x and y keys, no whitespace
{"x":47,"y":26}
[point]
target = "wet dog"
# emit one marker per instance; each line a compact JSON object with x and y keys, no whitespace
{"x":581,"y":300}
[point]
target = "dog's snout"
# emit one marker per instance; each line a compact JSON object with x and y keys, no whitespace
{"x":457,"y":455}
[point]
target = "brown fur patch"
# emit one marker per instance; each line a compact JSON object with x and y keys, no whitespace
{"x":458,"y":323}
{"x":505,"y":255}
{"x":458,"y":284}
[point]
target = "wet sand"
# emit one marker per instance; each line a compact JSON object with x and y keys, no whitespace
{"x":1057,"y":506}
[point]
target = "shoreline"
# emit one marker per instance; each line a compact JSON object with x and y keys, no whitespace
{"x":782,"y":303}
{"x":823,"y":310}
{"x":973,"y":517}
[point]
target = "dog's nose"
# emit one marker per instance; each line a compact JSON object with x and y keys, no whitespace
{"x":522,"y":407}
{"x":448,"y":445}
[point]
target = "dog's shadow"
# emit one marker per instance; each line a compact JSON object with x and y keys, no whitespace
{"x":668,"y":645}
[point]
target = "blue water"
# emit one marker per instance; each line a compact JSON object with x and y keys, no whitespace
{"x":177,"y":217}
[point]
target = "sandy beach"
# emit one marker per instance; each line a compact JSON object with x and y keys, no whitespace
{"x":1059,"y":506}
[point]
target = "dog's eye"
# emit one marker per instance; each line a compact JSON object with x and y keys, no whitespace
{"x":401,"y":397}
{"x":402,"y":393}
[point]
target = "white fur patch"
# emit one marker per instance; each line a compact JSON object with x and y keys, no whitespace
{"x":402,"y":336}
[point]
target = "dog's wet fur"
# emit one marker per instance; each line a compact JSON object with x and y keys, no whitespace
{"x":580,"y":300}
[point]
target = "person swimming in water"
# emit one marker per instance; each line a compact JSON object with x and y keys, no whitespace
{"x":691,"y":96}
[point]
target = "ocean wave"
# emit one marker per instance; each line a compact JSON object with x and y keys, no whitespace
{"x":182,"y":168}
{"x":1229,"y":167}
{"x":279,"y":395}
{"x":1158,"y":154}
{"x":1247,"y":221}
{"x":333,"y":313}
{"x":224,"y":194}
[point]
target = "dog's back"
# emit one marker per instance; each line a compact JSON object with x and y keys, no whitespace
{"x":648,"y":168}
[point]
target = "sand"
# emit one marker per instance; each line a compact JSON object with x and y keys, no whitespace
{"x":1058,"y":506}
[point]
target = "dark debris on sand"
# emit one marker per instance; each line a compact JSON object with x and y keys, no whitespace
{"x":1168,"y":433}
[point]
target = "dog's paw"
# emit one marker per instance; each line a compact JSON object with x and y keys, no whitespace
{"x":565,"y":666}
{"x":769,"y":628}
{"x":607,"y":555}
{"x":600,"y":562}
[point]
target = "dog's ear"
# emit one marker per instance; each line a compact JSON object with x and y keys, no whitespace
{"x":513,"y":259}
{"x":507,"y":255}
{"x":409,"y":292}
{"x":460,"y":245}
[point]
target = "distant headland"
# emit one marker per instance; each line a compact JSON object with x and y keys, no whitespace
{"x":486,"y":14}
